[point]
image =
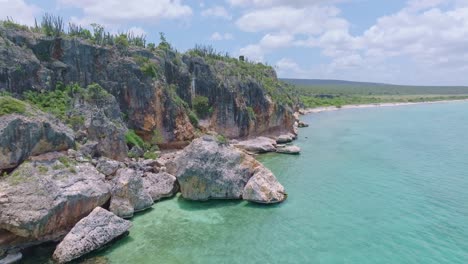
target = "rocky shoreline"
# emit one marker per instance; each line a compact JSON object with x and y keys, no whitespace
{"x":85,"y":128}
{"x":54,"y":189}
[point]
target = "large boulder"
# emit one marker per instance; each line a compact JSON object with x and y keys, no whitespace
{"x":128,"y":194}
{"x":90,"y":233}
{"x":160,"y":185}
{"x":284,"y":138}
{"x":102,"y":122}
{"x":34,"y":133}
{"x":208,"y":169}
{"x":42,"y":200}
{"x":264,"y":188}
{"x":257,"y":145}
{"x":289,"y":149}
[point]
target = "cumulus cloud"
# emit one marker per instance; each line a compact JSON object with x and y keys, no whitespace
{"x":218,"y":36}
{"x":425,"y":36}
{"x":19,"y":10}
{"x":217,"y":11}
{"x":118,"y":11}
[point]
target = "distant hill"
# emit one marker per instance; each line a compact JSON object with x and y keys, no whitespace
{"x":306,"y":82}
{"x":317,"y":86}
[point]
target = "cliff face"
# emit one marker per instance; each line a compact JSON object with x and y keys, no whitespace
{"x":154,"y":89}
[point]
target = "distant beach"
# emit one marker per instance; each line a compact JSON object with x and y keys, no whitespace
{"x":357,"y":106}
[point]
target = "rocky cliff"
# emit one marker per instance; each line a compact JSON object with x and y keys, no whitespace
{"x":154,"y":88}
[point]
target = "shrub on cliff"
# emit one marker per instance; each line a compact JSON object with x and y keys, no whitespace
{"x":9,"y":105}
{"x":201,"y":106}
{"x":132,"y":139}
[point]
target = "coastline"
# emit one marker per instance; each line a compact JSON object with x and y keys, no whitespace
{"x":359,"y":106}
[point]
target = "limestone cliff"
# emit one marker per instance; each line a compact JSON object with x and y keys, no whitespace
{"x":154,"y":88}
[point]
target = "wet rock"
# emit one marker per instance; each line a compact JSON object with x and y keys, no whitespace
{"x":257,"y":145}
{"x":23,"y":136}
{"x":289,"y":150}
{"x":41,"y":200}
{"x":263,"y":187}
{"x":91,"y":233}
{"x":160,"y":185}
{"x":128,"y":194}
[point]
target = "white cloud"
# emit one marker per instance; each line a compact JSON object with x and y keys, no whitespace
{"x":217,"y":11}
{"x":137,"y":31}
{"x":218,"y":36}
{"x":288,"y":67}
{"x":121,"y":11}
{"x":19,"y":11}
{"x":269,"y":3}
{"x":310,"y":20}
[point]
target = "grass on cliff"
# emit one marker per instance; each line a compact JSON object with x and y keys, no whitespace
{"x":9,"y":105}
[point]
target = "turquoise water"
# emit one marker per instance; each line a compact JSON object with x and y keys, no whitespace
{"x":381,"y":185}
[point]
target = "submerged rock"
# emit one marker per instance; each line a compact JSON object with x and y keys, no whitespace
{"x":264,"y":188}
{"x":257,"y":145}
{"x":41,"y":200}
{"x":128,"y":194}
{"x":160,"y":185}
{"x":289,"y":149}
{"x":208,"y":169}
{"x":23,"y":136}
{"x":90,"y":233}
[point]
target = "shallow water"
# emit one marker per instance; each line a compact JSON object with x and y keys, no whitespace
{"x":382,"y":185}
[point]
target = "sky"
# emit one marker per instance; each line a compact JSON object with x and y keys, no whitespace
{"x":417,"y":42}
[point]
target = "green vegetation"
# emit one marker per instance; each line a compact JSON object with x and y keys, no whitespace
{"x":42,"y":169}
{"x":336,"y":93}
{"x":10,"y":23}
{"x":52,"y":26}
{"x":132,"y":139}
{"x":221,"y":139}
{"x":201,"y":106}
{"x":150,"y":69}
{"x":193,"y":118}
{"x":150,"y":155}
{"x":251,"y":113}
{"x":9,"y":105}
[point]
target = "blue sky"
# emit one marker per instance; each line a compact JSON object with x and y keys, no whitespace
{"x":421,"y":42}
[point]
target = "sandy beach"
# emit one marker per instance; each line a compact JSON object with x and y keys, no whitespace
{"x":357,"y":106}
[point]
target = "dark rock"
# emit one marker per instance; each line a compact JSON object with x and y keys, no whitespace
{"x":24,"y":136}
{"x":11,"y":258}
{"x":108,"y":167}
{"x":136,"y":152}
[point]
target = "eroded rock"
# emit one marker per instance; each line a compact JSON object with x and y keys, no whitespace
{"x":42,"y":200}
{"x":290,"y":149}
{"x":208,"y":169}
{"x":23,"y":136}
{"x":90,"y":233}
{"x":263,"y":187}
{"x":160,"y":185}
{"x":257,"y":145}
{"x":128,"y":194}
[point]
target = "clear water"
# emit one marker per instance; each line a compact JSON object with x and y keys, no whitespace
{"x":382,"y":185}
